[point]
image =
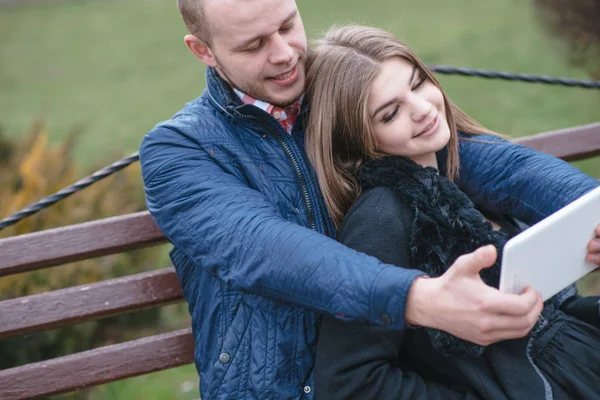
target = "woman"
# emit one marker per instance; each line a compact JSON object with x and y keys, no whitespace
{"x":380,"y":129}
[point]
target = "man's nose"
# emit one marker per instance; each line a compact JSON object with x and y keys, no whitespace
{"x":281,"y":51}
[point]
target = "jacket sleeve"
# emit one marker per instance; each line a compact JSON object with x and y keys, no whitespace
{"x":359,"y":361}
{"x":237,"y":235}
{"x":511,"y":179}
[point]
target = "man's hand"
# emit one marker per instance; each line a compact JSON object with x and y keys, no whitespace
{"x":460,"y":303}
{"x":594,"y":248}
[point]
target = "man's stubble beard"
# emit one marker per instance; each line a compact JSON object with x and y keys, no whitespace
{"x":246,"y":90}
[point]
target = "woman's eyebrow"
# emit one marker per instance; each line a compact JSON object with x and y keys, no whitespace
{"x":386,"y":104}
{"x":395,"y":99}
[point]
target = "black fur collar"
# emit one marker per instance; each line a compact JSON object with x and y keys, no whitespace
{"x":446,"y":225}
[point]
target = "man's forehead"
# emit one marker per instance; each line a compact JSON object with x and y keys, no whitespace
{"x":240,"y":18}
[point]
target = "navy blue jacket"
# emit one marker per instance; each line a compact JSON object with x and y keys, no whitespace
{"x":235,"y":195}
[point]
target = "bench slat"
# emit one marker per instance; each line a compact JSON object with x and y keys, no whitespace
{"x":113,"y":235}
{"x":81,"y":303}
{"x":98,"y":366}
{"x":78,"y":242}
{"x":569,"y":144}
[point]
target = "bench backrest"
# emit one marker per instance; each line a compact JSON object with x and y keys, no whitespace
{"x":135,"y":292}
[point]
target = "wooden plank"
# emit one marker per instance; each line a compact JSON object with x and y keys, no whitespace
{"x":569,"y":144}
{"x":81,"y":303}
{"x":98,"y":366}
{"x":113,"y":235}
{"x":77,"y":242}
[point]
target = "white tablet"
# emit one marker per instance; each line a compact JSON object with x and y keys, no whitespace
{"x":551,"y":254}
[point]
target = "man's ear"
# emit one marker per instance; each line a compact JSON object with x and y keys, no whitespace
{"x":200,"y":50}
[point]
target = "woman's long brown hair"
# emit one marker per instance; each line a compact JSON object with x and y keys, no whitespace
{"x":341,"y":70}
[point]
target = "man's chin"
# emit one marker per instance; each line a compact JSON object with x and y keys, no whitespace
{"x":284,"y":103}
{"x":283,"y":99}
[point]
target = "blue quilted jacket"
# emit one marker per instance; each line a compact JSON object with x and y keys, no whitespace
{"x":235,"y":195}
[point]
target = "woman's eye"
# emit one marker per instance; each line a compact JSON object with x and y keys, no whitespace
{"x":391,"y":115}
{"x":419,"y":84}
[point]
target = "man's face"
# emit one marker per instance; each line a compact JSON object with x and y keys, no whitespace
{"x":259,"y":47}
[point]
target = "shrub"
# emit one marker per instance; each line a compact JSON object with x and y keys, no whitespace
{"x":576,"y":22}
{"x":30,"y":169}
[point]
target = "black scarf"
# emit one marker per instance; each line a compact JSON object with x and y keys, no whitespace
{"x":446,"y":225}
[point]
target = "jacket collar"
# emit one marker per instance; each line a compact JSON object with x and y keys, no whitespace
{"x":222,"y":96}
{"x":220,"y":93}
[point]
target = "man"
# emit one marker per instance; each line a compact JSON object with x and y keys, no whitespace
{"x":227,"y":181}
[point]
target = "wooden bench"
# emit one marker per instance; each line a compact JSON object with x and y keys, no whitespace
{"x":135,"y":292}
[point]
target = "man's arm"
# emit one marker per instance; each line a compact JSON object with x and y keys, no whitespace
{"x":507,"y":178}
{"x":238,"y":235}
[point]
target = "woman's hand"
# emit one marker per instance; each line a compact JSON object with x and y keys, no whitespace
{"x":594,"y":248}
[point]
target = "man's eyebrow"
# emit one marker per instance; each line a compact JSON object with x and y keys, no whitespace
{"x":383,"y":106}
{"x":245,"y":44}
{"x":290,"y":16}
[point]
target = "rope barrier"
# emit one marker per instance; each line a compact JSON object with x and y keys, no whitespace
{"x":441,"y":69}
{"x":69,"y":190}
{"x":548,"y":80}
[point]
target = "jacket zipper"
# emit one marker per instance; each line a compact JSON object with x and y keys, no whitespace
{"x":299,"y":174}
{"x":302,"y":181}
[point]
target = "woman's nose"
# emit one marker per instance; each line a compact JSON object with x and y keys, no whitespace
{"x":420,"y":109}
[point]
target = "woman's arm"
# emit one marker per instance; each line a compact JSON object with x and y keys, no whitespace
{"x":359,"y":361}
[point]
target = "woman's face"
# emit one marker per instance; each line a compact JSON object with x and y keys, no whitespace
{"x":407,"y":113}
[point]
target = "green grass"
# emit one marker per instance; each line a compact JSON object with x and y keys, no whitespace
{"x":174,"y":384}
{"x":117,"y":67}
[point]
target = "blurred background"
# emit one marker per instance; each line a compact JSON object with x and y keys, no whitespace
{"x":81,"y":82}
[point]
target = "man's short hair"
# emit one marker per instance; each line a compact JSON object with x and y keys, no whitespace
{"x":193,"y":14}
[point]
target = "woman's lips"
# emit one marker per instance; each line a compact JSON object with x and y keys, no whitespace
{"x":431,"y":128}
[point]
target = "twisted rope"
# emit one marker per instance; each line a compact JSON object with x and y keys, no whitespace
{"x":548,"y":80}
{"x":441,"y":69}
{"x":69,"y":190}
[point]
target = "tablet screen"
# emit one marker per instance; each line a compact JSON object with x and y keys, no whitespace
{"x":551,"y":254}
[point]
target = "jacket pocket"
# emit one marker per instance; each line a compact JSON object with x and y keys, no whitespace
{"x":229,"y":367}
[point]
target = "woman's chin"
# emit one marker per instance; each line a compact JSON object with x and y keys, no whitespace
{"x":442,"y":138}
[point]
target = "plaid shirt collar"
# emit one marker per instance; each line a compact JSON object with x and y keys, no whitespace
{"x":286,"y":116}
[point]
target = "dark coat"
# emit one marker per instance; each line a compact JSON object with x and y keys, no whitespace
{"x":404,"y":228}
